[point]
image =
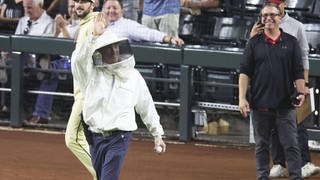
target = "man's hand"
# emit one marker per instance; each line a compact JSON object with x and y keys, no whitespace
{"x":173,"y":40}
{"x":60,"y":23}
{"x":177,"y":41}
{"x":244,"y":107}
{"x":256,"y":29}
{"x":300,"y":98}
{"x":159,"y":142}
{"x":100,"y":24}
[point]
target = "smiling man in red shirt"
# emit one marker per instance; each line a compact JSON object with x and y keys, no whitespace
{"x":272,"y":66}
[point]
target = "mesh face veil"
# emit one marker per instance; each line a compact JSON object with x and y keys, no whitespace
{"x":112,"y":53}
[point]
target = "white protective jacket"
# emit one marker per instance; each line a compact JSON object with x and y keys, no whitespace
{"x":112,"y":93}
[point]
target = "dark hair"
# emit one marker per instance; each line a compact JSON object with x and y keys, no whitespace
{"x":119,"y":1}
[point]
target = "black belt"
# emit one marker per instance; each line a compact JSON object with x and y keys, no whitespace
{"x":266,"y":109}
{"x":108,"y":133}
{"x":270,"y":109}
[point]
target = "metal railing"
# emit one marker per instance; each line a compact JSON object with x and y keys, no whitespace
{"x":184,"y":57}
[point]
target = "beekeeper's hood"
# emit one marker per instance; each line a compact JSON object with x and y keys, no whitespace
{"x":110,"y":50}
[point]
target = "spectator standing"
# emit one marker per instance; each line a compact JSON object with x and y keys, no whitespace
{"x":272,"y":65}
{"x":296,"y":29}
{"x":162,"y":15}
{"x":109,"y":60}
{"x":74,"y":137}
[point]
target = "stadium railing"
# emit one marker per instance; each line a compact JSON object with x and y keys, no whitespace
{"x":185,"y":57}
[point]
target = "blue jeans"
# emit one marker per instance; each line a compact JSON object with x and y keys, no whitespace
{"x":284,"y":122}
{"x":108,"y":153}
{"x":43,"y":106}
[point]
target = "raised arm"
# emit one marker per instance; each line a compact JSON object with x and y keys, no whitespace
{"x":81,"y":61}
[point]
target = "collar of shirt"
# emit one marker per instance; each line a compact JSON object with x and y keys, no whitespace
{"x":270,"y":40}
{"x":284,"y":18}
{"x":88,"y":17}
{"x":117,"y":21}
{"x":43,"y":26}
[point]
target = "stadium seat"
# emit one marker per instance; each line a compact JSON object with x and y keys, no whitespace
{"x":254,"y":5}
{"x":172,"y":86}
{"x":299,"y":9}
{"x":314,"y":16}
{"x":186,"y":27}
{"x":192,"y":28}
{"x":149,"y":72}
{"x":198,"y":75}
{"x":313,"y":37}
{"x":228,"y":32}
{"x":304,"y":6}
{"x":217,"y":86}
{"x":244,"y":8}
{"x":316,"y":9}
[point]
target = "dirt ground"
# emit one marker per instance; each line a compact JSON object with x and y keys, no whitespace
{"x":43,"y":156}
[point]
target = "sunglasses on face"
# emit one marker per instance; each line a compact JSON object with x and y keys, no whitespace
{"x":271,"y":15}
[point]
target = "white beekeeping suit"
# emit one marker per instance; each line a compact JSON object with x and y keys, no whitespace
{"x":104,"y":68}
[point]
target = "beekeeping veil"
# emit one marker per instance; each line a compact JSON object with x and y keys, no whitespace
{"x":110,"y":49}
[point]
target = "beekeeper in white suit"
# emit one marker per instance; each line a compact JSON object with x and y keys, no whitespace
{"x":113,"y":90}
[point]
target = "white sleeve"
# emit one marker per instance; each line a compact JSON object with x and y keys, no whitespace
{"x":81,"y":62}
{"x":139,"y":32}
{"x":146,"y":109}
